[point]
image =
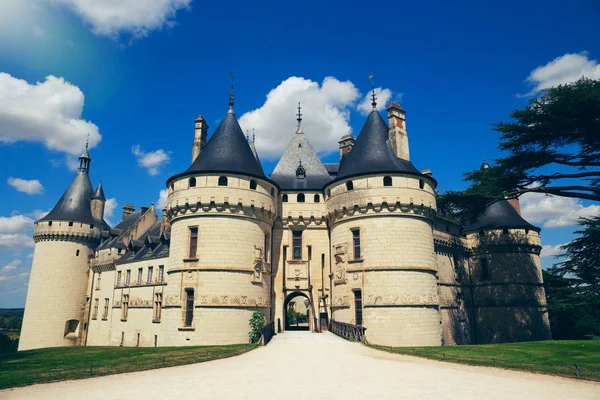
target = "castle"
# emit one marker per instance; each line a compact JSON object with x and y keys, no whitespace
{"x":360,"y":241}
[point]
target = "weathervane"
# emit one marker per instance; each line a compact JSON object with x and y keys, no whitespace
{"x":253,"y":136}
{"x":299,"y":119}
{"x":231,"y":97}
{"x":373,"y":97}
{"x":87,"y":141}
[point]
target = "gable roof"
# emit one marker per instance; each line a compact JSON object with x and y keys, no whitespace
{"x":300,"y":151}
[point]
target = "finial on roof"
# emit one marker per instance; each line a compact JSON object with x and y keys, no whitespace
{"x":253,"y":136}
{"x":373,"y":97}
{"x":231,"y":96}
{"x":299,"y":119}
{"x":484,"y":165}
{"x":248,"y":135}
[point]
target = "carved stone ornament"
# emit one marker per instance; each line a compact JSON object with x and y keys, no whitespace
{"x":401,"y":300}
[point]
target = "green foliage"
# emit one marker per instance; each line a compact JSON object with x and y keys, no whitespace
{"x":8,"y":344}
{"x":257,"y":322}
{"x":11,"y":319}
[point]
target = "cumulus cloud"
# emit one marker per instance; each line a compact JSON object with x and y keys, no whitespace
{"x":13,"y":274}
{"x":15,"y":232}
{"x":47,"y":112}
{"x":326,"y":110}
{"x":153,"y":160}
{"x":109,"y":209}
{"x":135,"y":17}
{"x":549,"y":250}
{"x":15,"y":224}
{"x":383,"y":97}
{"x":554,"y":211}
{"x":162,"y":199}
{"x":10,"y":266}
{"x":564,"y":69}
{"x":32,"y":186}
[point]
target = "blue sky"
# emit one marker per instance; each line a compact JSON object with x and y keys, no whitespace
{"x":133,"y":76}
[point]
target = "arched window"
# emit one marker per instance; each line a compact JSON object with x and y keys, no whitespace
{"x":317,"y":198}
{"x":222,"y":181}
{"x":300,"y":171}
{"x":192,"y":182}
{"x":421,"y":183}
{"x":387,"y":181}
{"x":272,"y":191}
{"x":300,"y":198}
{"x":349,"y":185}
{"x":328,"y":192}
{"x":253,"y":184}
{"x":284,"y":198}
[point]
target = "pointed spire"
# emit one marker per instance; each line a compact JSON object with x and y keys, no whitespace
{"x":373,"y":97}
{"x":231,"y":95}
{"x":99,"y":194}
{"x":84,"y":158}
{"x":299,"y":118}
{"x":253,"y":136}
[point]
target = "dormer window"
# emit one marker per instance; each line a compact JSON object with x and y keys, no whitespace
{"x":253,"y":184}
{"x":300,"y":171}
{"x":192,"y":182}
{"x":222,"y":181}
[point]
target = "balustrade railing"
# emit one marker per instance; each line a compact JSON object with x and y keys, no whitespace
{"x":353,"y":333}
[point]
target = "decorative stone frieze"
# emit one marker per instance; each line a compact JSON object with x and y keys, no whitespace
{"x":401,"y":300}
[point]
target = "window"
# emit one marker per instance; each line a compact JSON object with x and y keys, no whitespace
{"x":387,"y":181}
{"x":505,"y":231}
{"x":328,"y":192}
{"x":49,"y":223}
{"x":161,"y":273}
{"x":150,"y":269}
{"x":95,"y":313}
{"x":192,"y":182}
{"x":284,"y":198}
{"x":349,"y":185}
{"x":119,"y":278}
{"x":98,"y":280}
{"x":297,"y":245}
{"x":272,"y":192}
{"x":266,"y":248}
{"x":122,"y":338}
{"x":358,"y":307}
{"x":421,"y":183}
{"x":91,"y":226}
{"x":300,"y":172}
{"x":356,"y":243}
{"x":105,"y":314}
{"x":253,"y":184}
{"x":300,"y":198}
{"x":317,"y":198}
{"x":189,"y":307}
{"x":71,"y":326}
{"x":193,"y":242}
{"x":119,"y":251}
{"x":222,"y":181}
{"x":157,"y":307}
{"x":481,"y":233}
{"x":128,"y":277}
{"x":155,"y":340}
{"x":137,"y":344}
{"x":140,"y":273}
{"x":124,"y":307}
{"x":70,"y":223}
{"x":485,"y":273}
{"x":77,"y":253}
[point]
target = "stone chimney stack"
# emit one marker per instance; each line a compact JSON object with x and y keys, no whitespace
{"x":165,"y":222}
{"x":128,"y":209}
{"x":398,"y":141}
{"x":346,"y":143}
{"x":200,"y":136}
{"x":515,"y":203}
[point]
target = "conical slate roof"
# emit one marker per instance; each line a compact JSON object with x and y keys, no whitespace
{"x":99,"y":195}
{"x":227,"y":151}
{"x":74,"y":205}
{"x":500,"y":214}
{"x":300,"y":151}
{"x":371,"y":153}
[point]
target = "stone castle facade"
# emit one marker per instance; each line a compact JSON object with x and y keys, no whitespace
{"x":360,"y":241}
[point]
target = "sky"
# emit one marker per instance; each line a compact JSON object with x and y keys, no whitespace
{"x":134,"y":75}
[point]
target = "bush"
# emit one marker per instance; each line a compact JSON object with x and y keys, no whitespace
{"x":257,"y":321}
{"x":7,"y":345}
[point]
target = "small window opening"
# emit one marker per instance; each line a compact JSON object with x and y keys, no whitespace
{"x":193,"y":241}
{"x":71,"y":326}
{"x":387,"y":181}
{"x":70,"y":223}
{"x":300,"y":198}
{"x":421,"y":183}
{"x":317,"y":198}
{"x":505,"y":231}
{"x":329,"y":193}
{"x":481,"y":233}
{"x":192,"y":182}
{"x":300,"y":171}
{"x":358,"y":307}
{"x":189,"y":307}
{"x":91,"y":226}
{"x":297,"y":245}
{"x":253,"y":184}
{"x":77,"y":253}
{"x":349,"y":185}
{"x":222,"y":181}
{"x":272,"y":192}
{"x":284,"y":198}
{"x":526,"y":231}
{"x":138,"y":340}
{"x":356,"y":243}
{"x":49,"y":223}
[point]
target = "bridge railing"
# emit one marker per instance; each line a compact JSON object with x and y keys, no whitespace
{"x":268,"y":331}
{"x":353,"y":333}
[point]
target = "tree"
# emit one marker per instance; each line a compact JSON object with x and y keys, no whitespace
{"x":553,"y":147}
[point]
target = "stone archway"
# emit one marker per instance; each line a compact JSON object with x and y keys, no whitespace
{"x":297,"y":312}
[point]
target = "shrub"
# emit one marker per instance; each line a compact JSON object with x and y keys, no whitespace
{"x":257,"y":321}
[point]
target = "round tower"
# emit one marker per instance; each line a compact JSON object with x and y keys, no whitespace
{"x":221,"y":211}
{"x":64,"y":240}
{"x":97,"y":203}
{"x":380,"y":210}
{"x":509,"y":302}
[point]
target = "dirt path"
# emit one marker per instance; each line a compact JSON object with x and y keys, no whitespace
{"x":301,"y":365}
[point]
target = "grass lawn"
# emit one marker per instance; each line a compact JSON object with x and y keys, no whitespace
{"x":61,"y":363}
{"x":558,"y":357}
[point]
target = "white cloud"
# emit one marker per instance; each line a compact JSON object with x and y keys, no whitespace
{"x":47,"y":112}
{"x":383,"y":97}
{"x":162,"y":199}
{"x":550,"y":251}
{"x":554,"y":211}
{"x":135,"y":17}
{"x":153,"y":160}
{"x":564,"y":69}
{"x":109,"y":209}
{"x":17,"y":241}
{"x":32,"y":186}
{"x":10,"y":266}
{"x":38,"y":214}
{"x":326,"y":110}
{"x":15,"y":224}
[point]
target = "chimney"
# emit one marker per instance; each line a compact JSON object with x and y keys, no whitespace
{"x":346,"y":143}
{"x":128,"y":209}
{"x":398,"y":140}
{"x":200,"y":135}
{"x":515,"y":203}
{"x":165,"y":222}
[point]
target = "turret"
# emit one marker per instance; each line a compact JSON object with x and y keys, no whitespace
{"x":200,"y":135}
{"x":346,"y":143}
{"x":398,"y":136}
{"x":64,"y":241}
{"x":98,"y":202}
